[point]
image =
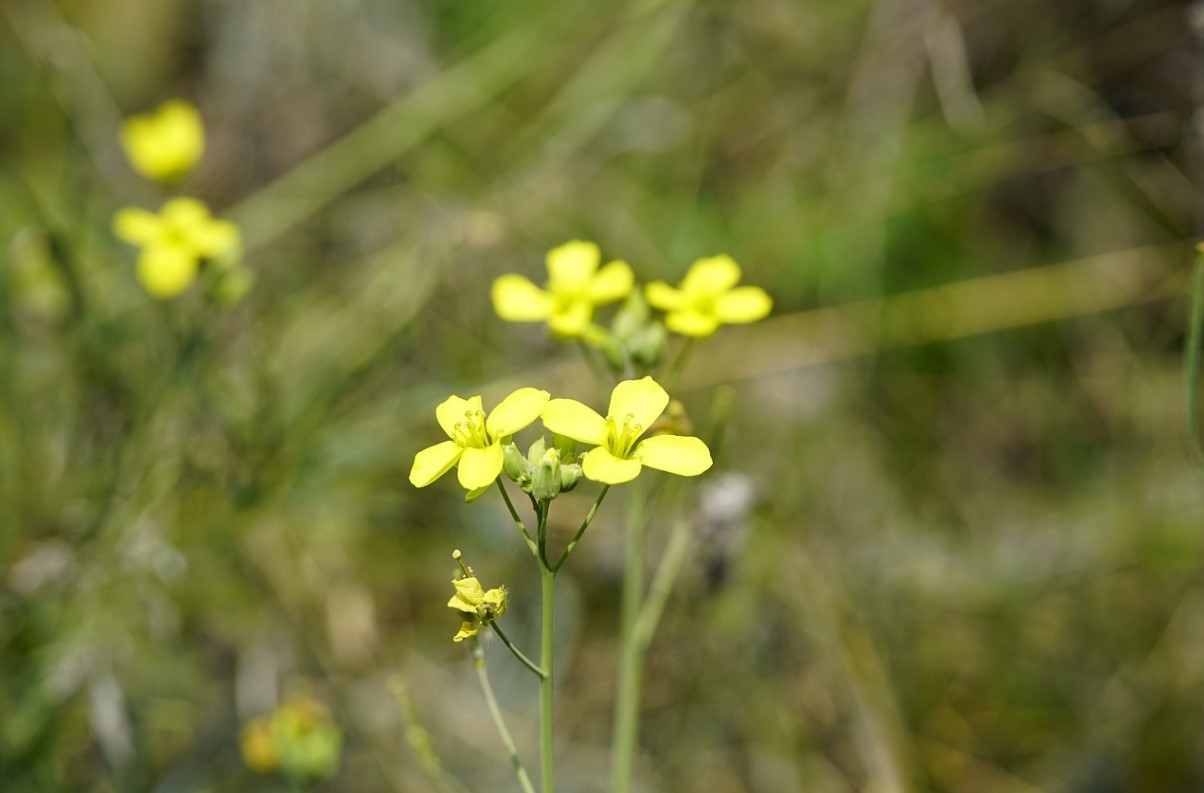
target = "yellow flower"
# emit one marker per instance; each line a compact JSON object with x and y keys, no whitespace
{"x":481,"y":606}
{"x":476,"y":441}
{"x":173,"y":243}
{"x":620,"y":454}
{"x":708,"y":297}
{"x":575,"y":286}
{"x":164,"y":145}
{"x":258,"y":748}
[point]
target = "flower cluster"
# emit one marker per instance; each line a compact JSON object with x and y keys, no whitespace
{"x":618,"y":455}
{"x":165,"y":146}
{"x":706,"y":298}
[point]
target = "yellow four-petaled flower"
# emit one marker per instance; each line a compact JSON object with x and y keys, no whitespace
{"x":173,"y":242}
{"x":708,"y":297}
{"x":575,"y":287}
{"x":475,"y":447}
{"x":619,"y":454}
{"x":164,"y":145}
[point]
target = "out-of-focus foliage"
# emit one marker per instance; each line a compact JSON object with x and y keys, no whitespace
{"x":974,"y":563}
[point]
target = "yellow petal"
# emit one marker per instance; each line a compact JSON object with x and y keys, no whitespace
{"x":454,"y":410}
{"x":745,"y":304}
{"x":515,"y":299}
{"x":184,"y":212}
{"x":571,"y":318}
{"x":516,"y":411}
{"x":137,"y":226}
{"x":164,"y":145}
{"x":166,"y":270}
{"x":433,"y":462}
{"x":479,"y":467}
{"x":677,"y":454}
{"x":600,"y":465}
{"x":469,"y":595}
{"x":214,"y":238}
{"x":613,"y":282}
{"x":711,"y":276}
{"x":467,"y":629}
{"x":691,"y":323}
{"x":570,"y":418}
{"x":643,"y":399}
{"x":666,"y":298}
{"x":571,"y":266}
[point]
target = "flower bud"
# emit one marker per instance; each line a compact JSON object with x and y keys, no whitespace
{"x":545,"y":481}
{"x":648,"y":346}
{"x":570,"y":475}
{"x":566,"y":446}
{"x":536,"y":450}
{"x":515,"y":465}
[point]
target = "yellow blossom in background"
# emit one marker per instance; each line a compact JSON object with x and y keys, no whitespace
{"x":619,"y":454}
{"x":475,"y":447}
{"x":708,"y":297}
{"x":258,"y":750}
{"x":482,"y":606}
{"x":575,"y":287}
{"x":173,"y":242}
{"x":299,"y":738}
{"x":166,"y":144}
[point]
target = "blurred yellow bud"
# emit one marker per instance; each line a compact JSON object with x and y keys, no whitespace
{"x":166,"y":144}
{"x":258,"y":749}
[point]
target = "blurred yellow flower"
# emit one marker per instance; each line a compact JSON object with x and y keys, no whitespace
{"x":619,"y":454}
{"x":166,"y":144}
{"x":476,"y":441}
{"x":575,"y":287}
{"x":482,"y":606}
{"x":299,"y":738}
{"x":708,"y":297}
{"x":258,"y":750}
{"x":173,"y":242}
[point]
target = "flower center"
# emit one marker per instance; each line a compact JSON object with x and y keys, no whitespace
{"x":622,"y":433}
{"x":471,"y":431}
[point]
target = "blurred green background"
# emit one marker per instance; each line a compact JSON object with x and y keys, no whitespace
{"x":974,"y":560}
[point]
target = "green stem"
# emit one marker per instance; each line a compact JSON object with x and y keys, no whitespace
{"x":478,"y":660}
{"x":584,"y":525}
{"x":527,"y":662}
{"x":662,"y":585}
{"x":679,"y":363}
{"x":627,"y":700}
{"x":548,"y":580}
{"x":517,"y":520}
{"x":1191,"y":363}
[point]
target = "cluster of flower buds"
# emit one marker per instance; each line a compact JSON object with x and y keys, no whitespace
{"x":545,"y":472}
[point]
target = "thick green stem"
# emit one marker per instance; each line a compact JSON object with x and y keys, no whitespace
{"x":478,"y":660}
{"x":627,"y":700}
{"x":548,"y":579}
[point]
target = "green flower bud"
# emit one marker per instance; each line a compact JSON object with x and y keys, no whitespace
{"x":515,"y":465}
{"x":648,"y":346}
{"x":570,"y":475}
{"x":536,"y":451}
{"x":545,"y":482}
{"x":632,"y":317}
{"x":566,"y":446}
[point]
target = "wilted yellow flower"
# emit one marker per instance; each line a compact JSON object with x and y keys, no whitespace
{"x":575,"y":287}
{"x":482,"y":606}
{"x":476,"y":441}
{"x":164,"y":145}
{"x":173,"y":242}
{"x":619,"y":454}
{"x":708,"y":297}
